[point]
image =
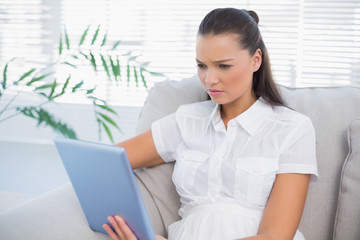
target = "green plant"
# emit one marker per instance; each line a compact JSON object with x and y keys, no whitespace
{"x":94,"y":52}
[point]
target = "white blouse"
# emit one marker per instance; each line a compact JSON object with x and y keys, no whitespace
{"x":239,"y":162}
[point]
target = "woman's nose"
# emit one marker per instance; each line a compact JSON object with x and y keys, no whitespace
{"x":211,"y":78}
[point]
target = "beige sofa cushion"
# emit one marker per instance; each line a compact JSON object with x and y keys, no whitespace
{"x":349,"y":197}
{"x":58,"y":215}
{"x":165,"y":97}
{"x":331,"y":111}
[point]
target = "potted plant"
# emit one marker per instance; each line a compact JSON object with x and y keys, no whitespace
{"x":94,"y":52}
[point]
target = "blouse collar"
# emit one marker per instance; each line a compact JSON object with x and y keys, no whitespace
{"x":250,"y":120}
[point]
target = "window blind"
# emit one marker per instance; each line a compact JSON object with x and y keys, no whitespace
{"x":310,"y":42}
{"x":26,"y":31}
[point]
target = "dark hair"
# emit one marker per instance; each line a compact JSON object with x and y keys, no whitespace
{"x":245,"y":24}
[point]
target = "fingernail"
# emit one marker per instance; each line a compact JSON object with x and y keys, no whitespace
{"x":110,"y":219}
{"x":118,"y":218}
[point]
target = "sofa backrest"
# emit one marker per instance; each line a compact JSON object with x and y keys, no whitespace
{"x":331,"y":111}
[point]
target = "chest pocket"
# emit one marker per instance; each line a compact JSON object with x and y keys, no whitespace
{"x":189,"y":165}
{"x":255,"y":178}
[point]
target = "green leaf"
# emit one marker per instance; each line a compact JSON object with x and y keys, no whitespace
{"x":46,"y":118}
{"x":43,"y":94}
{"x":99,"y":127}
{"x":67,"y":41}
{"x":95,"y":35}
{"x":53,"y":86}
{"x":60,"y":45}
{"x":45,"y":86}
{"x":93,"y":61}
{"x":27,"y":111}
{"x":96,"y":99}
{"x":156,"y":74}
{"x":108,"y":132}
{"x":127,"y":54}
{"x":90,"y":91}
{"x":71,"y":65}
{"x":83,"y":36}
{"x":144,"y":64}
{"x":3,"y":83}
{"x":136,"y":76}
{"x":63,"y":89}
{"x":107,"y":108}
{"x":104,"y":40}
{"x":128,"y":73}
{"x":132,"y":58}
{"x":84,"y":55}
{"x":36,"y":79}
{"x":115,"y":45}
{"x":118,"y":69}
{"x":77,"y":86}
{"x":65,"y":84}
{"x":25,"y":75}
{"x":105,"y":65}
{"x":113,"y":68}
{"x":109,"y":120}
{"x":143,"y":77}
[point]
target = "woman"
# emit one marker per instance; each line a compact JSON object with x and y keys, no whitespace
{"x":243,"y":160}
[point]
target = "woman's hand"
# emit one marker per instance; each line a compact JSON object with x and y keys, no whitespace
{"x":122,"y":230}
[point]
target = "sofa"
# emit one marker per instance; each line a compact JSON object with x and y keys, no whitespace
{"x":332,"y":210}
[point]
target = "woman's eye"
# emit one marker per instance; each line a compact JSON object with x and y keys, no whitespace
{"x":200,"y":65}
{"x":224,"y":66}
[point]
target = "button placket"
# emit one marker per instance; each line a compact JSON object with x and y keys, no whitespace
{"x":214,"y":169}
{"x":215,"y":181}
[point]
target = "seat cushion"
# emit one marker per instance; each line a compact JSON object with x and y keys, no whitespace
{"x":58,"y":215}
{"x":349,"y":196}
{"x":9,"y":200}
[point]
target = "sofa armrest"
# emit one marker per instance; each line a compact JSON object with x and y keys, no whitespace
{"x":58,"y":215}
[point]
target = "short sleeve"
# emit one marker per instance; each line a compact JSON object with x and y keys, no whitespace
{"x":166,"y":136}
{"x":298,"y":152}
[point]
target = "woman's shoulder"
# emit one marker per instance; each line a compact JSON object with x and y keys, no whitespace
{"x":289,"y":116}
{"x":197,"y":110}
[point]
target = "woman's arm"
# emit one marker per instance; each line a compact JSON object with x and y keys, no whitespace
{"x":284,"y":208}
{"x":141,"y":150}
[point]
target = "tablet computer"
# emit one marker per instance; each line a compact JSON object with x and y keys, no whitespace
{"x":105,"y":184}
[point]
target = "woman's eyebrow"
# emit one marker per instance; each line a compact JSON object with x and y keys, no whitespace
{"x":224,"y":60}
{"x":218,"y":61}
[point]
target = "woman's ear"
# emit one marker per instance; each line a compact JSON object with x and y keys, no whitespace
{"x":257,"y":59}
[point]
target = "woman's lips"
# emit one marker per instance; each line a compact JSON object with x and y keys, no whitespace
{"x":215,"y":92}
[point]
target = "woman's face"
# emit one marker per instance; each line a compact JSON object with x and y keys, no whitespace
{"x":225,"y":69}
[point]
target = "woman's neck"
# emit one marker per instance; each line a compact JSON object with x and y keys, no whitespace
{"x":232,"y":110}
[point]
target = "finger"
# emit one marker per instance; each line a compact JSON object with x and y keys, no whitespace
{"x":158,"y":237}
{"x":116,"y":226}
{"x":128,"y":234}
{"x":111,"y":233}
